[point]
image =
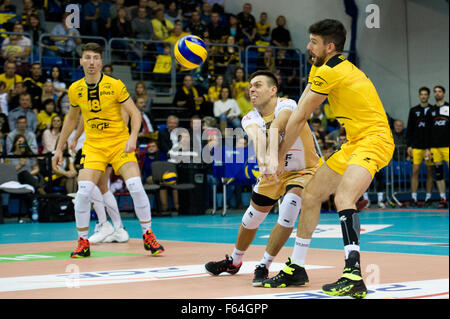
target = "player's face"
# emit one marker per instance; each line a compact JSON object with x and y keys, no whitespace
{"x":91,"y":62}
{"x":423,"y":96}
{"x":317,"y":49}
{"x":438,"y":94}
{"x":260,"y":91}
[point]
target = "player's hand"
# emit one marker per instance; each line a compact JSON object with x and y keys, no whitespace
{"x":73,"y":145}
{"x":58,"y":158}
{"x":130,"y":147}
{"x":272,"y":169}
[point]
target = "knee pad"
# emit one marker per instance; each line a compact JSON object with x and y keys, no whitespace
{"x":82,"y":199}
{"x":137,"y":192}
{"x":253,"y":218}
{"x":439,"y":172}
{"x":289,"y":210}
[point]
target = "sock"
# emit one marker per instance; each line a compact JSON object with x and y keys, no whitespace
{"x":350,"y":226}
{"x":380,"y":197}
{"x":237,"y":256}
{"x":414,"y":196}
{"x":300,"y":249}
{"x":83,"y":207}
{"x":113,"y":209}
{"x":366,"y":196}
{"x":427,"y":196}
{"x":266,"y":260}
{"x":99,"y":207}
{"x":443,"y":196}
{"x":140,"y":201}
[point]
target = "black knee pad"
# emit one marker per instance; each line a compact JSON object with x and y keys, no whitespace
{"x":439,"y":172}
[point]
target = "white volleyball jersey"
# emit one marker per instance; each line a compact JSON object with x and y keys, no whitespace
{"x":302,"y":155}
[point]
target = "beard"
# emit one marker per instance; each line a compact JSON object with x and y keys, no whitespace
{"x":318,"y":60}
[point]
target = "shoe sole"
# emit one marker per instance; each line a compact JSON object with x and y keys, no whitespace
{"x":302,"y":283}
{"x":213,"y":274}
{"x":356,"y":295}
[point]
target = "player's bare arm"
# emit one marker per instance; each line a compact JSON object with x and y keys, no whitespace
{"x":256,"y":134}
{"x":69,"y":125}
{"x":135,"y":118}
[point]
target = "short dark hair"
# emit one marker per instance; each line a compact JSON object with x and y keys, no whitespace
{"x":424,"y":88}
{"x":332,"y":31}
{"x":272,"y":78}
{"x":439,"y":87}
{"x":21,"y":117}
{"x":92,"y":46}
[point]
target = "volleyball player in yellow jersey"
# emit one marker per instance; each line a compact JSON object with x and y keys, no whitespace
{"x":101,"y":98}
{"x":349,"y":171}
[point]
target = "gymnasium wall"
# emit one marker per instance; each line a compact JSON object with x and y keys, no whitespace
{"x":410,"y":49}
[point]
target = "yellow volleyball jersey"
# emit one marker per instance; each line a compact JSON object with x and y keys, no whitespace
{"x":101,"y":108}
{"x":353,"y":98}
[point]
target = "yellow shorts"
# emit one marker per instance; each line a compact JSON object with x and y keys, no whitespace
{"x":439,"y":154}
{"x":285,"y":180}
{"x":418,"y":156}
{"x":99,"y":156}
{"x":372,"y":152}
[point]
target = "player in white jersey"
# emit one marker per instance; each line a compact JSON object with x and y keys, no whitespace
{"x":301,"y":163}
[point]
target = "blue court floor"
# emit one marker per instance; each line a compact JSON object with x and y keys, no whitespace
{"x":390,"y":231}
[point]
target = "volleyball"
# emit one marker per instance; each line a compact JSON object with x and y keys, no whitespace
{"x":169,"y":178}
{"x":251,"y":169}
{"x":190,"y":51}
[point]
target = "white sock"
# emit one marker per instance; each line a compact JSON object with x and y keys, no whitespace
{"x":443,"y":196}
{"x":380,"y":197}
{"x":366,"y":196}
{"x":414,"y":196}
{"x":349,"y":248}
{"x":140,"y":201}
{"x":83,"y":207}
{"x":300,"y":249}
{"x":427,"y":196}
{"x":237,"y":256}
{"x":113,"y":209}
{"x":267,"y":260}
{"x":99,"y":207}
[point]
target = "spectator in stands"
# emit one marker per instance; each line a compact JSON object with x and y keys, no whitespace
{"x":244,"y":102}
{"x":161,"y":26}
{"x":146,"y":127}
{"x":17,"y":48}
{"x":288,"y":70}
{"x":228,"y":59}
{"x":34,"y":84}
{"x":20,"y":128}
{"x":281,"y":37}
{"x":281,"y":87}
{"x":143,"y":29}
{"x":27,"y":168}
{"x":108,"y":70}
{"x":227,"y":110}
{"x":216,"y":30}
{"x":173,"y":13}
{"x":417,"y":142}
{"x":215,"y":88}
{"x":3,"y":99}
{"x":263,"y":27}
{"x":64,"y":46}
{"x":399,"y":135}
{"x":248,"y":24}
{"x":177,"y":33}
{"x":234,"y":29}
{"x":195,"y":131}
{"x":114,"y":8}
{"x":48,"y":93}
{"x":188,"y":7}
{"x":206,"y":12}
{"x":121,"y":28}
{"x":238,"y":84}
{"x":29,"y":10}
{"x":162,"y":71}
{"x":35,"y":27}
{"x":95,"y":17}
{"x":167,"y":136}
{"x":134,"y":10}
{"x":140,"y":90}
{"x":46,"y":116}
{"x":335,"y":137}
{"x":196,"y":26}
{"x":10,"y":77}
{"x":56,"y":78}
{"x":66,"y":175}
{"x":189,"y":97}
{"x":51,"y":134}
{"x":318,"y":114}
{"x":6,"y":6}
{"x":14,"y":95}
{"x":182,"y":151}
{"x":318,"y":131}
{"x":267,"y":61}
{"x":25,"y":110}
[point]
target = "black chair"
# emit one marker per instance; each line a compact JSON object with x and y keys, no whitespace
{"x":8,"y":173}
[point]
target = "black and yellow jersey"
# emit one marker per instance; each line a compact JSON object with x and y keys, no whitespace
{"x":101,"y":108}
{"x":352,"y":96}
